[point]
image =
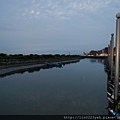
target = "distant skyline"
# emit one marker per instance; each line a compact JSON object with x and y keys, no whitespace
{"x":56,"y":26}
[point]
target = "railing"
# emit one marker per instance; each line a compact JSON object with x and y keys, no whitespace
{"x":112,"y":68}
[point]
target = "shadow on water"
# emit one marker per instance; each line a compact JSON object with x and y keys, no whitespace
{"x":36,"y":69}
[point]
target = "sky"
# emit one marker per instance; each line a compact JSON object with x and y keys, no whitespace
{"x":56,"y":26}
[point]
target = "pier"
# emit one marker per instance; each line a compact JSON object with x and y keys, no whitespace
{"x":113,"y":71}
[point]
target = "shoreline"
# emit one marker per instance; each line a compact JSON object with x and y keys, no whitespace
{"x":21,"y":68}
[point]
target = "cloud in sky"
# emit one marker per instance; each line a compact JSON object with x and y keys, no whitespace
{"x":54,"y":8}
{"x":54,"y":25}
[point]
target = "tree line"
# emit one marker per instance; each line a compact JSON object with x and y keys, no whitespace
{"x":33,"y":56}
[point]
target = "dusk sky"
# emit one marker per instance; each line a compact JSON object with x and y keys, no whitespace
{"x":56,"y":26}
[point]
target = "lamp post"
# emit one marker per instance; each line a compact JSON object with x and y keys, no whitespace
{"x":111,"y":57}
{"x":116,"y":85}
{"x":108,"y":55}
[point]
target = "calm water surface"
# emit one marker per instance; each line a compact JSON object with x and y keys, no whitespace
{"x":76,"y":89}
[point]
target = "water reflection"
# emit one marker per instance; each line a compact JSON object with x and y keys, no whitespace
{"x":102,"y":61}
{"x":36,"y":68}
{"x":76,"y":89}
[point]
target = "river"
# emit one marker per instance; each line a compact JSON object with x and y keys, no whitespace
{"x":76,"y":89}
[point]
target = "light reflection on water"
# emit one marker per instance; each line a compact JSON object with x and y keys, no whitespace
{"x":76,"y":89}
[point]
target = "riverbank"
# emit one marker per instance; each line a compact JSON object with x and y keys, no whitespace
{"x":30,"y":67}
{"x":20,"y":59}
{"x":95,"y":57}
